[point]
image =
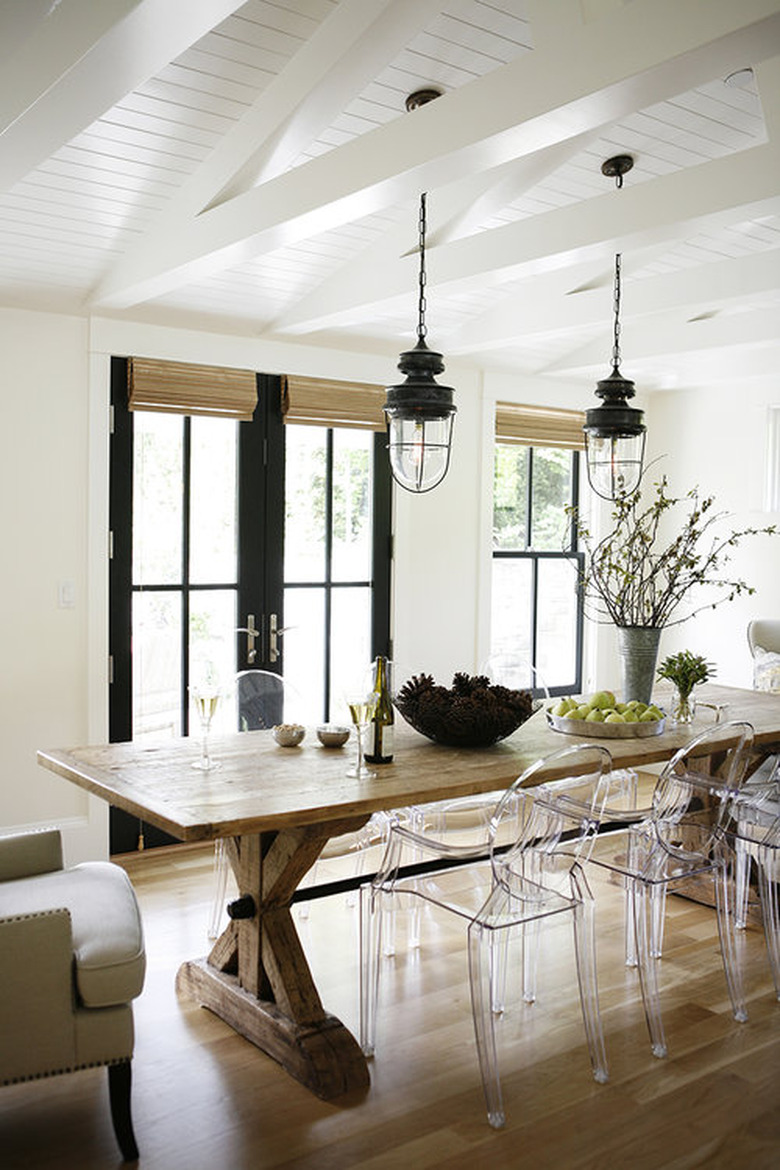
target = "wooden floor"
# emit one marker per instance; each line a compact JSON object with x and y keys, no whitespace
{"x":204,"y":1099}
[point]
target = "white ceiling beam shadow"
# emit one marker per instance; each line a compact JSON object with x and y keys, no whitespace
{"x":658,"y":211}
{"x":64,"y":89}
{"x":532,"y":103}
{"x":529,"y":311}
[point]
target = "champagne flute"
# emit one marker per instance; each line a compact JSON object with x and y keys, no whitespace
{"x":362,"y":705}
{"x":206,"y":700}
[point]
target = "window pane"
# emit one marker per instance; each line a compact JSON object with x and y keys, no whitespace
{"x":304,"y":532}
{"x":157,"y":498}
{"x":213,"y":504}
{"x":156,"y":665}
{"x":212,"y":650}
{"x":511,"y":622}
{"x":552,"y":491}
{"x":304,"y":650}
{"x":557,"y":617}
{"x":510,"y":527}
{"x":350,"y":645}
{"x":352,"y":475}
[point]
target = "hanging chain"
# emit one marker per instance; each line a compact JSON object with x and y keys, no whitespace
{"x":422,"y":328}
{"x":616,"y":306}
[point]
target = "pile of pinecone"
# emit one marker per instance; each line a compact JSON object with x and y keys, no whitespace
{"x":472,"y":713}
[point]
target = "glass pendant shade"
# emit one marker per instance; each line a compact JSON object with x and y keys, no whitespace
{"x":419,"y":451}
{"x":614,"y":464}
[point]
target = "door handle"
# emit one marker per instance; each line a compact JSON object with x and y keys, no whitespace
{"x":275,"y":632}
{"x":252,"y":632}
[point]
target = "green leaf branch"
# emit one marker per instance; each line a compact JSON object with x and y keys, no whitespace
{"x":633,"y":579}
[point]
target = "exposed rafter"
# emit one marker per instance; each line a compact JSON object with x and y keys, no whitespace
{"x":533,"y":103}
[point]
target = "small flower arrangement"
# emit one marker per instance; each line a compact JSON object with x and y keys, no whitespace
{"x":685,"y":671}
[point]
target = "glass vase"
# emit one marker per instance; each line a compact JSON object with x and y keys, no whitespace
{"x":683,"y":707}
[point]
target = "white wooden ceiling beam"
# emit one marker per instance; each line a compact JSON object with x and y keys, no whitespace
{"x":537,"y":101}
{"x":333,"y":67}
{"x":661,"y":337}
{"x":661,"y":210}
{"x":41,"y":42}
{"x":63,"y":79}
{"x":541,"y":307}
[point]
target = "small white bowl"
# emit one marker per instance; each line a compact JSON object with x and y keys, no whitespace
{"x":289,"y":734}
{"x":332,"y":735}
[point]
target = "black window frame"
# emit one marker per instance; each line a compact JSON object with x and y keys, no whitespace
{"x":571,"y":554}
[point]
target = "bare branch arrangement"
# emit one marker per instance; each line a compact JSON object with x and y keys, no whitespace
{"x":633,"y":579}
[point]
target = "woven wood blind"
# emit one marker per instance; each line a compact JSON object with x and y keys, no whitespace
{"x":539,"y":426}
{"x":181,"y":388}
{"x":323,"y":402}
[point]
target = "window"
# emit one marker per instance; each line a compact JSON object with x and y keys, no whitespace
{"x":536,"y":610}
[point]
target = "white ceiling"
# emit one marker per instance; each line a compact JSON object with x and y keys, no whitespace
{"x":252,"y":168}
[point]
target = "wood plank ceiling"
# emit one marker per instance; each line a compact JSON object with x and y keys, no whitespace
{"x":252,"y":168}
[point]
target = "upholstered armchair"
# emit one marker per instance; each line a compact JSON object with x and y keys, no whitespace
{"x":71,"y":961}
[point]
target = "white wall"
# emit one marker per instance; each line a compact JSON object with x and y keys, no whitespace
{"x":44,"y":492}
{"x":715,"y":438}
{"x":54,"y":393}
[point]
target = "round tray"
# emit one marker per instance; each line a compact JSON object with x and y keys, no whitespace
{"x":604,"y":730}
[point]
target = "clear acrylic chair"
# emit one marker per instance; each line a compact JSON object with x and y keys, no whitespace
{"x":754,"y":834}
{"x":753,"y":813}
{"x":495,"y":885}
{"x":683,"y":839}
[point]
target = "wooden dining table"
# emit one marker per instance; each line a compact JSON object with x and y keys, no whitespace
{"x":277,"y":808}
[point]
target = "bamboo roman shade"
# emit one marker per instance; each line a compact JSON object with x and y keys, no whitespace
{"x":181,"y":388}
{"x":539,"y":426}
{"x":324,"y":402}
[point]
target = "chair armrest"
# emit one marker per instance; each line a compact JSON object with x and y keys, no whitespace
{"x":37,"y":1007}
{"x":25,"y":854}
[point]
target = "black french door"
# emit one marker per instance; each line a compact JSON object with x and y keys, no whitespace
{"x":196,"y":560}
{"x":201,"y":580}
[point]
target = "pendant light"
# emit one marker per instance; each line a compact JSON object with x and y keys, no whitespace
{"x":615,"y":431}
{"x":419,"y":412}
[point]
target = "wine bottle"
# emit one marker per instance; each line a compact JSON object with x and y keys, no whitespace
{"x":380,"y":732}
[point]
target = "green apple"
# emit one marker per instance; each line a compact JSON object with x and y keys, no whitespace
{"x":562,"y":708}
{"x":595,"y":715}
{"x":630,"y":715}
{"x":603,"y":700}
{"x":621,"y":708}
{"x":583,"y":712}
{"x":614,"y":717}
{"x":571,"y":714}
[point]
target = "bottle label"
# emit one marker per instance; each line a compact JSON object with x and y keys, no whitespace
{"x":380,"y":742}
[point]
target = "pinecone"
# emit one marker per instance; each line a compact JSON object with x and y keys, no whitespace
{"x":473,"y":713}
